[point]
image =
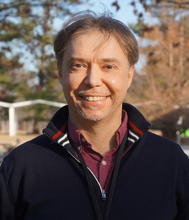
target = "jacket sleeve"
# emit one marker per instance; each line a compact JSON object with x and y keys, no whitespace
{"x":6,"y":202}
{"x":182,"y":188}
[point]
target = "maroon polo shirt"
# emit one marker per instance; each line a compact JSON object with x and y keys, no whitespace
{"x":101,"y":165}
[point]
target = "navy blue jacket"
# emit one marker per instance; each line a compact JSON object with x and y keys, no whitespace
{"x":43,"y":179}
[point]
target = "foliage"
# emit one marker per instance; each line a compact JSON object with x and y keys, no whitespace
{"x":27,"y":63}
{"x":164,"y":78}
{"x":152,"y":6}
{"x":9,"y":78}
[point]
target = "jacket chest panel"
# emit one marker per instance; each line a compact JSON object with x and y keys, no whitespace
{"x":146,"y":187}
{"x":54,"y":191}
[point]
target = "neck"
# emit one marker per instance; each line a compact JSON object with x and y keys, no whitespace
{"x":100,"y":134}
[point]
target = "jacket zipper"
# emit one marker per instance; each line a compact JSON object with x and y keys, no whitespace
{"x":103,"y":193}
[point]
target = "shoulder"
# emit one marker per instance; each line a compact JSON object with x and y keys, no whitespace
{"x":151,"y":137}
{"x":164,"y":148}
{"x":28,"y":151}
{"x":159,"y":142}
{"x":37,"y":144}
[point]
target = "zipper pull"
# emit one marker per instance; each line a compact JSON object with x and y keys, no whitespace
{"x":103,"y":195}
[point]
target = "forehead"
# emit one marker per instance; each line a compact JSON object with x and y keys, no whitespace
{"x":93,"y":43}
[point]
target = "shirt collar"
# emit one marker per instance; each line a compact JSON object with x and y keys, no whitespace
{"x":56,"y":129}
{"x":77,"y":139}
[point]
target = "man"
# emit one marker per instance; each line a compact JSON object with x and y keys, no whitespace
{"x":96,"y":159}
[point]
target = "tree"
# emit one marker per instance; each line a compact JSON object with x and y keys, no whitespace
{"x":26,"y":38}
{"x":150,"y":5}
{"x":27,"y":28}
{"x":164,"y":79}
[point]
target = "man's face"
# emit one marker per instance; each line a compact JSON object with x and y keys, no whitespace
{"x":95,"y":76}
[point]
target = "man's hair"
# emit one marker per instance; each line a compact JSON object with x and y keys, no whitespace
{"x":88,"y":20}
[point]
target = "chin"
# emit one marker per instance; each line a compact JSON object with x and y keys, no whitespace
{"x":91,"y":117}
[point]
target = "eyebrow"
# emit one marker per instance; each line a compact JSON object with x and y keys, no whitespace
{"x":73,"y":59}
{"x":105,"y":60}
{"x":110,"y":60}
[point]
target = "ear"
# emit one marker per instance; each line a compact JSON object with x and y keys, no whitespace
{"x":130,"y":75}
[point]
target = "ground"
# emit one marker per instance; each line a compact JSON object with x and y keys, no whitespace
{"x":6,"y":141}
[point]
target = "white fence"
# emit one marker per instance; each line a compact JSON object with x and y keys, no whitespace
{"x":12,"y":115}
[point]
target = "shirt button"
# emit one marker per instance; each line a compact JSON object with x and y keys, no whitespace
{"x":104,"y":162}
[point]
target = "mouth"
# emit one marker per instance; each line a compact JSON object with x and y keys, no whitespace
{"x":93,"y":98}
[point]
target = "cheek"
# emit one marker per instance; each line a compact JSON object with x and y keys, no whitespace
{"x":118,"y":84}
{"x":70,"y":82}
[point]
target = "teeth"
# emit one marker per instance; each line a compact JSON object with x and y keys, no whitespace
{"x":92,"y":98}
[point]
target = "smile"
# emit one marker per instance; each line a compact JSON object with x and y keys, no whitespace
{"x":93,"y":98}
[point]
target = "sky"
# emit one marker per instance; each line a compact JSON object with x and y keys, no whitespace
{"x":125,"y":14}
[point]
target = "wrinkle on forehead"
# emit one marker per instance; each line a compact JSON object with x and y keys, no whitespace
{"x":103,"y":37}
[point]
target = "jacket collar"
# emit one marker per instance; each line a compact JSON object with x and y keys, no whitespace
{"x":56,"y":130}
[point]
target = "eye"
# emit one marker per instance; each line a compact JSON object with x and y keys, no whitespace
{"x":109,"y":66}
{"x":77,"y":66}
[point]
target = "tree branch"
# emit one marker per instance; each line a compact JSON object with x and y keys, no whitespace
{"x":179,"y":3}
{"x":9,"y":6}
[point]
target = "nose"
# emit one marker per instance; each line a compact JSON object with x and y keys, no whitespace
{"x":93,"y":77}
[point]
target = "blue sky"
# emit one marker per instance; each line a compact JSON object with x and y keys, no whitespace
{"x":125,"y":14}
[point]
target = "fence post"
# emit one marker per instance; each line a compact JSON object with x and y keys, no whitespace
{"x":12,"y":121}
